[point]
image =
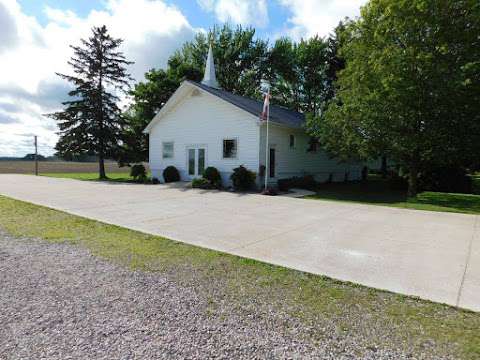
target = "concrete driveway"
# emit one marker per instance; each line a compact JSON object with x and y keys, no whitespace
{"x":432,"y":255}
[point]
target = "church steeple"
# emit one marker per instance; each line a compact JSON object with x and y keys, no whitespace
{"x":209,"y":78}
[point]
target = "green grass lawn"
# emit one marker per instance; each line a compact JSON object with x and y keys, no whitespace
{"x":377,"y":192}
{"x":92,"y":176}
{"x":403,"y":322}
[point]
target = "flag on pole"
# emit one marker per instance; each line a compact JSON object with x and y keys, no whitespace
{"x":265,"y":117}
{"x":266,"y":106}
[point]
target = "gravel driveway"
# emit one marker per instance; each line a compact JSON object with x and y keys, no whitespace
{"x":59,"y":302}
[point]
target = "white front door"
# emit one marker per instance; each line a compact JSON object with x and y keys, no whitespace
{"x":196,"y":160}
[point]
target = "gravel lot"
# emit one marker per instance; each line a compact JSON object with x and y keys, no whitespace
{"x":59,"y":302}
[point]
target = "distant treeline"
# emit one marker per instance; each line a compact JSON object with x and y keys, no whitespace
{"x":31,"y":157}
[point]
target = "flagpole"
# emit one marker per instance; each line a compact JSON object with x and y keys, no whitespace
{"x":267,"y":160}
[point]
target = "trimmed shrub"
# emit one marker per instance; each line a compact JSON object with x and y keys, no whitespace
{"x":306,"y":182}
{"x":171,"y":174}
{"x":243,"y":179}
{"x":213,"y":176}
{"x":155,"y":181}
{"x":138,"y":172}
{"x":201,"y":183}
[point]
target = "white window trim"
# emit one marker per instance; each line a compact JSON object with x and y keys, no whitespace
{"x":236,"y":153}
{"x":163,"y":149}
{"x":294,"y":141}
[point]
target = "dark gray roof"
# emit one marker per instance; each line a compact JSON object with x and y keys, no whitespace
{"x":278,"y":114}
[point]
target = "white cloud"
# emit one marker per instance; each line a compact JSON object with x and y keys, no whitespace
{"x":245,"y":12}
{"x":312,"y":17}
{"x":30,"y":54}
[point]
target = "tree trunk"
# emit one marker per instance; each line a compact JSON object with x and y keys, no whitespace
{"x":101,"y":167}
{"x":384,"y":167}
{"x":413,"y":182}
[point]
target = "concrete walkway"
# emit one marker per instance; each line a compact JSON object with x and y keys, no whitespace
{"x":432,"y":255}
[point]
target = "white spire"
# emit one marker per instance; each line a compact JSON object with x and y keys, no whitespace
{"x":209,"y":77}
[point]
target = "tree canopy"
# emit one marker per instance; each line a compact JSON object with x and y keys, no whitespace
{"x":298,"y":73}
{"x":410,"y":87}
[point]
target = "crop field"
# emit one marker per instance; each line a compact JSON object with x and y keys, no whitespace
{"x":49,"y":167}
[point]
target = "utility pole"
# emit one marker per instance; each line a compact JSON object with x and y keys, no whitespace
{"x":36,"y":156}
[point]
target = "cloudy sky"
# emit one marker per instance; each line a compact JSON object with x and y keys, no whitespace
{"x":35,"y":34}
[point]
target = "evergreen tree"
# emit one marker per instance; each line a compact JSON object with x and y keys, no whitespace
{"x":91,"y":122}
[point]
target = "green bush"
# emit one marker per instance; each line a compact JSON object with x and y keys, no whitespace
{"x":171,"y":174}
{"x":242,"y":178}
{"x":201,"y":183}
{"x":213,"y":176}
{"x":155,"y":181}
{"x":138,"y":172}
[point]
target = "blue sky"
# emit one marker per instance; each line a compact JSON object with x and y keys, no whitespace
{"x":192,"y":9}
{"x":35,"y":36}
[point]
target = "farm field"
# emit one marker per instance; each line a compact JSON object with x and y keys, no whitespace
{"x":58,"y":167}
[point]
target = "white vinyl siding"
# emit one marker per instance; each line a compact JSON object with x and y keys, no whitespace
{"x":195,"y":119}
{"x":204,"y":121}
{"x":297,"y":161}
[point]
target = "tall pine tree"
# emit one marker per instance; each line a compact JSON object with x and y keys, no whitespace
{"x":91,"y":123}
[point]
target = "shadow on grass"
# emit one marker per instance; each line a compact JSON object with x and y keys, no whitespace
{"x":371,"y":192}
{"x":378,"y":192}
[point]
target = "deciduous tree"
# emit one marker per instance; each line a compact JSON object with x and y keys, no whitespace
{"x":411,"y":85}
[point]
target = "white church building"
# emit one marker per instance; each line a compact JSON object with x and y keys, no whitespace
{"x":202,"y":125}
